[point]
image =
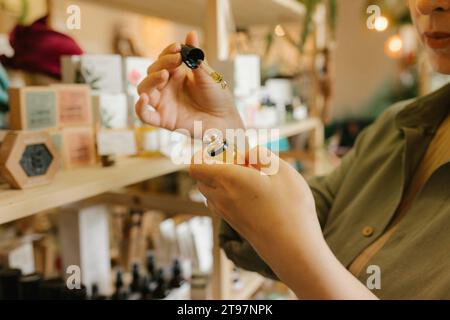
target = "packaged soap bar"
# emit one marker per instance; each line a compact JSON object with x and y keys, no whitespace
{"x":116,"y":142}
{"x":135,"y":70}
{"x":74,"y":104}
{"x":28,"y":159}
{"x":78,"y":147}
{"x":110,"y":111}
{"x":33,"y":108}
{"x":103,"y":73}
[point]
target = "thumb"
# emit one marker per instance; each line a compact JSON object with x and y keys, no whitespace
{"x":200,"y":75}
{"x":192,"y":39}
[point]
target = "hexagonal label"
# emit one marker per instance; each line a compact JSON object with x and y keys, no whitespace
{"x":36,"y":159}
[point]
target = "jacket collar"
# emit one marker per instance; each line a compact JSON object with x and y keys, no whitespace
{"x":426,"y":112}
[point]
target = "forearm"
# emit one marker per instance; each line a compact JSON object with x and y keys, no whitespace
{"x":313,"y":272}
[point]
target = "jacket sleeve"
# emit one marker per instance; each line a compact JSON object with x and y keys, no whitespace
{"x":324,"y":190}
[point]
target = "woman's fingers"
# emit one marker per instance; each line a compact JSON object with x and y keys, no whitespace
{"x":168,"y":61}
{"x":145,"y":113}
{"x":173,"y":48}
{"x":157,"y":80}
{"x":199,"y":75}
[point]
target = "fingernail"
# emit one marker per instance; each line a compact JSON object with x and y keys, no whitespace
{"x":149,"y":108}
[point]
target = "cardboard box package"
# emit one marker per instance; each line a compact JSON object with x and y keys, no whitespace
{"x":135,"y":70}
{"x":74,"y":105}
{"x":103,"y":73}
{"x":28,"y":159}
{"x":78,"y":147}
{"x":33,"y":108}
{"x":110,"y":111}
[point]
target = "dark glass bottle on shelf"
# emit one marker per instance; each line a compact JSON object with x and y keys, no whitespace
{"x":9,"y":284}
{"x":29,"y":286}
{"x":160,"y":291}
{"x":73,"y":294}
{"x":150,"y":265}
{"x":120,"y":291}
{"x":135,"y":285}
{"x":177,"y":280}
{"x":52,"y":289}
{"x":146,"y":289}
{"x":95,"y":293}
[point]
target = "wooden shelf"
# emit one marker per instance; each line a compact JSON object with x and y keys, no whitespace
{"x":251,"y":282}
{"x":78,"y":184}
{"x":192,"y":12}
{"x":296,"y":127}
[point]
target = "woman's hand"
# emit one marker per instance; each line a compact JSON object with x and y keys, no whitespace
{"x":266,"y":209}
{"x":276,"y":214}
{"x":181,"y":96}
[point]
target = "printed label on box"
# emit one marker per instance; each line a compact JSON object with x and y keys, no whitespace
{"x":79,"y":147}
{"x":40,"y":110}
{"x":73,"y":107}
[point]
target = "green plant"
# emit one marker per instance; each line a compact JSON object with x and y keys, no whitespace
{"x":395,"y":10}
{"x":308,"y":25}
{"x":86,"y":76}
{"x":310,"y":6}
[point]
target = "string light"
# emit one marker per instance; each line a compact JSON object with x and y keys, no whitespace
{"x":394,"y":46}
{"x":381,"y":24}
{"x":279,"y":31}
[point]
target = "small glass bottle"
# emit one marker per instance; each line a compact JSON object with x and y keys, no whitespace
{"x":135,"y":286}
{"x":177,"y":280}
{"x":160,"y":291}
{"x":218,"y":148}
{"x":150,"y":265}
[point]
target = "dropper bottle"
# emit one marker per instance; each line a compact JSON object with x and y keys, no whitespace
{"x":216,"y":145}
{"x":195,"y":58}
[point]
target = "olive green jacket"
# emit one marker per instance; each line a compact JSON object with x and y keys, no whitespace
{"x":364,"y":193}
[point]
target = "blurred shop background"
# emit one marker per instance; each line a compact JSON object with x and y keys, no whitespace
{"x":91,"y":206}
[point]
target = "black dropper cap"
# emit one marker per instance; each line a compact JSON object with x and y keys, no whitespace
{"x":9,"y":284}
{"x":192,"y":56}
{"x":30,"y":286}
